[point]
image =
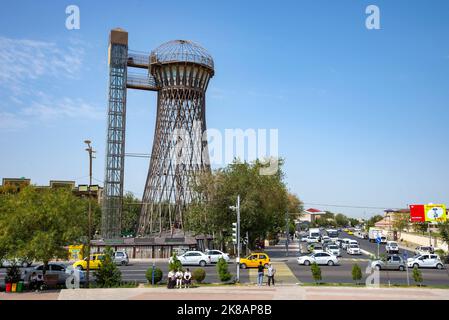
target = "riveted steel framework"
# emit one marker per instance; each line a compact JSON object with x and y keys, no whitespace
{"x":182,"y":70}
{"x":115,"y":143}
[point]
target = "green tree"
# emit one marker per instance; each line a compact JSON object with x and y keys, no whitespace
{"x":174,"y":263}
{"x":341,"y":220}
{"x":356,"y":273}
{"x":130,"y":214}
{"x":316,"y":272}
{"x":264,"y":201}
{"x":401,"y":221}
{"x":37,"y":223}
{"x":372,"y":221}
{"x":421,"y":227}
{"x":108,"y":274}
{"x":443,"y":228}
{"x":417,"y":276}
{"x":222,"y":270}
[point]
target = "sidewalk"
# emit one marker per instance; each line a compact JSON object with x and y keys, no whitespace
{"x":239,"y":293}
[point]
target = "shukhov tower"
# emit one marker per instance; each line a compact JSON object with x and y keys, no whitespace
{"x":181,"y":71}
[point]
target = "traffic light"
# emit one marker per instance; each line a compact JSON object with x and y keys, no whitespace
{"x":234,"y":232}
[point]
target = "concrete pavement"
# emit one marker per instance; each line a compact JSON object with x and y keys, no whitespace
{"x":239,"y":293}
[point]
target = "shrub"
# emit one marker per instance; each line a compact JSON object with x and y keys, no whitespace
{"x":417,"y":276}
{"x":175,"y":264}
{"x":356,"y":273}
{"x":316,"y":272}
{"x":13,"y":274}
{"x":222,"y":269}
{"x":157,"y":275}
{"x":108,"y":275}
{"x":199,"y":275}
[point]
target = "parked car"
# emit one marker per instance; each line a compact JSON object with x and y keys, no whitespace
{"x":394,"y":262}
{"x":424,"y":250}
{"x":52,"y":268}
{"x":319,"y":258}
{"x":425,"y":261}
{"x":333,"y":249}
{"x":121,"y":258}
{"x":215,"y":255}
{"x":254,"y":259}
{"x":353,"y":249}
{"x":94,"y":263}
{"x":392,"y":247}
{"x":193,"y":258}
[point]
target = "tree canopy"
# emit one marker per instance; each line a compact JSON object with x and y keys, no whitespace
{"x":264,"y":202}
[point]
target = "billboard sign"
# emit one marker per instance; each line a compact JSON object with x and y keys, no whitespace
{"x":428,"y":212}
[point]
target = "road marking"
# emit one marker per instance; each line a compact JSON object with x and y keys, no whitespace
{"x":283,"y":274}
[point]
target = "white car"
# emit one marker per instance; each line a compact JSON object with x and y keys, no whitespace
{"x":215,"y":255}
{"x":345,"y":243}
{"x":353,"y":249}
{"x":193,"y":258}
{"x":392,"y":247}
{"x":312,"y":239}
{"x":325,"y":239}
{"x":304,"y":238}
{"x":319,"y":258}
{"x":317,"y":248}
{"x":334,"y":250}
{"x":425,"y":261}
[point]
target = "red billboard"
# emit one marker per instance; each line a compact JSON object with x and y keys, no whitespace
{"x":417,"y":213}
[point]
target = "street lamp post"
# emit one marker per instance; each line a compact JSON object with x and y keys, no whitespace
{"x":89,"y":219}
{"x":237,"y":260}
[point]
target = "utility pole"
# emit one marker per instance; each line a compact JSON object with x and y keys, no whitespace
{"x":236,"y":236}
{"x":89,"y":219}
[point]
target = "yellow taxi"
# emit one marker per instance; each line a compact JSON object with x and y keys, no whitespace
{"x":254,"y":259}
{"x":350,"y":232}
{"x":345,"y":230}
{"x":94,"y":263}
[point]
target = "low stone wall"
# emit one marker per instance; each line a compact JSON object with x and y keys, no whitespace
{"x":423,"y":240}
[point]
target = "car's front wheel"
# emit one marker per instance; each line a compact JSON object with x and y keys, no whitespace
{"x":330,"y":263}
{"x":307,"y":263}
{"x":378,"y":267}
{"x":202,"y":263}
{"x":401,"y":268}
{"x":415,"y":265}
{"x":243,"y":266}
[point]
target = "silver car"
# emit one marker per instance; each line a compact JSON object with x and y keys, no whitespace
{"x":215,"y":255}
{"x":121,"y":258}
{"x":52,"y":268}
{"x":193,"y":258}
{"x":391,"y":263}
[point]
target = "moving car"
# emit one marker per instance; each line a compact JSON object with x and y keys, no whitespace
{"x":424,"y":250}
{"x":121,"y":258}
{"x":425,"y":261}
{"x":311,"y":239}
{"x":316,"y":248}
{"x":95,"y":262}
{"x":215,"y":255}
{"x":392,"y":247}
{"x":254,"y":259}
{"x":391,"y":263}
{"x":345,"y":243}
{"x":193,"y":258}
{"x":350,"y":232}
{"x":320,"y":258}
{"x":333,"y":249}
{"x":52,"y":268}
{"x":325,"y":238}
{"x":353,"y":249}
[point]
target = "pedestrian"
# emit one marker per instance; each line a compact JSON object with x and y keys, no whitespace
{"x":171,"y":280}
{"x":270,"y":274}
{"x":187,"y":278}
{"x":34,"y":281}
{"x":260,"y":270}
{"x":179,"y":276}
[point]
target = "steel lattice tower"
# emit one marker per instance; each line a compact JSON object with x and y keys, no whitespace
{"x":115,"y":137}
{"x":181,"y":70}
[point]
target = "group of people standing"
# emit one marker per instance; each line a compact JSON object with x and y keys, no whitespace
{"x":270,"y":274}
{"x":178,"y":279}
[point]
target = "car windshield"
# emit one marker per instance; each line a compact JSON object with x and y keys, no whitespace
{"x":333,"y":247}
{"x":394,"y":244}
{"x":354,"y":246}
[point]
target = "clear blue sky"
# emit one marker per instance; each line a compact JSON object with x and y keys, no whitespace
{"x":362,"y":114}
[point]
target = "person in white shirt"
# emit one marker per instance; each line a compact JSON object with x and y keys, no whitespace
{"x":187,"y":278}
{"x":270,"y":273}
{"x":179,"y":276}
{"x":171,"y":279}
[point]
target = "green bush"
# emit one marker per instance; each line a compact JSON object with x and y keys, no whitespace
{"x":175,"y":264}
{"x":108,"y":275}
{"x":13,"y":274}
{"x":316,"y":272}
{"x":199,"y":275}
{"x":157,"y":275}
{"x":222,"y":270}
{"x":417,"y":276}
{"x":356,"y":273}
